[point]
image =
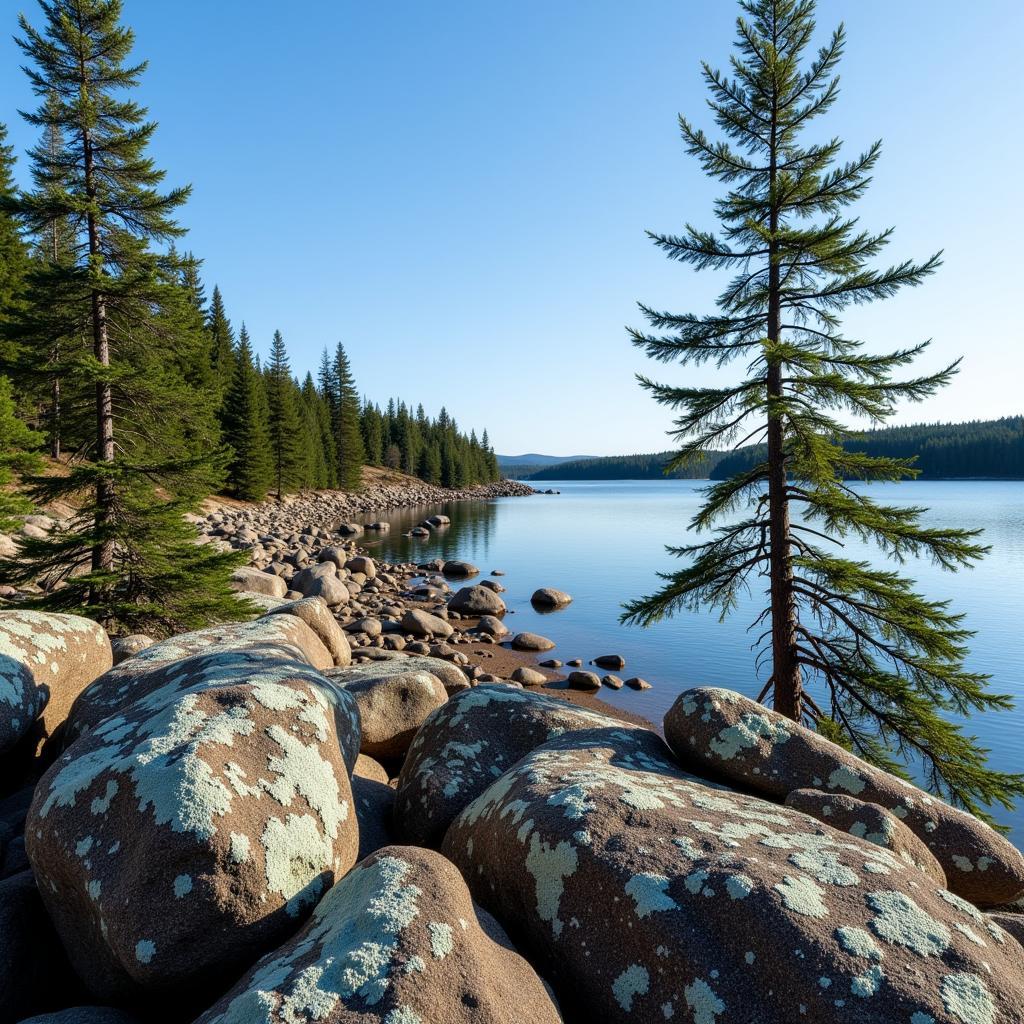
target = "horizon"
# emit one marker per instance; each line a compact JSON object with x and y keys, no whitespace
{"x":403,"y":134}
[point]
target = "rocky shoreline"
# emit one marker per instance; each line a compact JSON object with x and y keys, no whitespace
{"x":366,"y":806}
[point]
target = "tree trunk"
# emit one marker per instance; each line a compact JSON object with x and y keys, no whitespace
{"x":786,"y":676}
{"x":103,"y":549}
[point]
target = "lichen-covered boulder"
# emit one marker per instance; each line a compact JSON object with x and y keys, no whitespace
{"x":46,"y":661}
{"x":392,"y":706}
{"x":649,"y":896}
{"x":466,"y":744}
{"x":255,"y":581}
{"x":398,"y":941}
{"x":272,"y":637}
{"x":739,"y":739}
{"x":314,"y":613}
{"x":374,"y":803}
{"x":870,"y":822}
{"x":125,"y":647}
{"x":194,"y":829}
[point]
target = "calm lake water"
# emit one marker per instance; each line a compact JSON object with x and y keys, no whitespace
{"x":603,"y":542}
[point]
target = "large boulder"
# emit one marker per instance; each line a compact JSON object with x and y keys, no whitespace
{"x":330,"y":589}
{"x":649,"y":896}
{"x":398,"y":941}
{"x":392,"y":706}
{"x":466,"y":744}
{"x":193,"y":830}
{"x":456,"y":570}
{"x":476,"y":601}
{"x":741,"y":740}
{"x":870,"y":822}
{"x":271,"y":637}
{"x":399,"y":664}
{"x":549,"y":598}
{"x":125,"y":647}
{"x":532,"y":642}
{"x":46,"y":661}
{"x":314,"y":613}
{"x":255,"y":581}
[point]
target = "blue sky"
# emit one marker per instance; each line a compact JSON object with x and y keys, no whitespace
{"x":459,"y":190}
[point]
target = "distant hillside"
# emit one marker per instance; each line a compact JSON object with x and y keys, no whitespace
{"x":988,"y":449}
{"x":522,"y":466}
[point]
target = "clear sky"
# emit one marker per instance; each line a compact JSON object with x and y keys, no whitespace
{"x":458,"y":190}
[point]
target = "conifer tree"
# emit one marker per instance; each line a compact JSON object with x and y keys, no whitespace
{"x":347,"y":435}
{"x":222,"y":342}
{"x":853,"y":650}
{"x":14,"y":254}
{"x":245,"y":428}
{"x":127,"y":557}
{"x":283,"y":423}
{"x":372,"y":424}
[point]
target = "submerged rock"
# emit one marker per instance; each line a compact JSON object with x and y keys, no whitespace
{"x":649,"y":896}
{"x":548,"y":597}
{"x":477,"y":600}
{"x":742,"y":740}
{"x":397,"y":940}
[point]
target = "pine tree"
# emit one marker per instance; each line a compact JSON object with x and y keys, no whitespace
{"x":347,"y":435}
{"x":222,"y":342}
{"x":885,"y":663}
{"x":284,"y":426}
{"x":245,"y":428}
{"x":127,"y":554}
{"x":14,"y":254}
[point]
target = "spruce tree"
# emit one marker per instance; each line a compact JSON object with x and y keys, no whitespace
{"x":17,"y":456}
{"x":14,"y":253}
{"x":245,"y":428}
{"x":283,"y":423}
{"x":347,"y":435}
{"x":222,"y":342}
{"x":128,"y":557}
{"x":853,"y":650}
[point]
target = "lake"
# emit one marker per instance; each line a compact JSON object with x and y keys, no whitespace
{"x":603,"y":542}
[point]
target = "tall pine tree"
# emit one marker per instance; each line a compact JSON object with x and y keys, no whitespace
{"x":854,"y":650}
{"x":245,"y":428}
{"x":283,"y":423}
{"x":222,"y":342}
{"x":348,"y":437}
{"x":127,"y":557}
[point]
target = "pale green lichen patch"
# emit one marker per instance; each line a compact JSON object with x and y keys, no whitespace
{"x":802,"y":896}
{"x":549,"y":865}
{"x":442,"y":941}
{"x":632,"y":982}
{"x":703,"y":1002}
{"x":182,"y":886}
{"x":296,"y":856}
{"x":867,"y":984}
{"x":899,"y":920}
{"x":650,"y":894}
{"x":746,"y":734}
{"x":967,"y":999}
{"x":858,"y":942}
{"x":145,"y":950}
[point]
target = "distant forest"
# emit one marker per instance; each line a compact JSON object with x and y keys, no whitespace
{"x":989,"y":449}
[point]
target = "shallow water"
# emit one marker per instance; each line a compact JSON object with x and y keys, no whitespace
{"x":603,"y":542}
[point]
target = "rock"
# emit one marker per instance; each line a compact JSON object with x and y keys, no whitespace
{"x":750,"y":744}
{"x":368,"y":768}
{"x":370,"y":626}
{"x":492,"y":626}
{"x":272,"y":637}
{"x":497,"y":572}
{"x":258,"y":582}
{"x":614,"y":682}
{"x":636,"y":683}
{"x":613,"y":661}
{"x":379,"y":527}
{"x":870,"y":822}
{"x":451,"y":676}
{"x":419,"y":531}
{"x":421,"y":623}
{"x":195,"y":828}
{"x":363,"y":564}
{"x":46,"y":661}
{"x":331,"y":590}
{"x":349,"y":529}
{"x":532,"y":642}
{"x":584,"y":681}
{"x":464,"y":745}
{"x":397,"y":940}
{"x":439,"y":520}
{"x":34,"y":972}
{"x":575,"y":662}
{"x":456,"y":570}
{"x":551,"y":663}
{"x":313,"y":611}
{"x":649,"y":896}
{"x":337,"y":556}
{"x":492,"y":585}
{"x":476,"y":601}
{"x":375,"y":804}
{"x":528,"y":676}
{"x":392,"y":706}
{"x":548,"y":597}
{"x":262,"y":603}
{"x":123,"y":647}
{"x":304,"y":579}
